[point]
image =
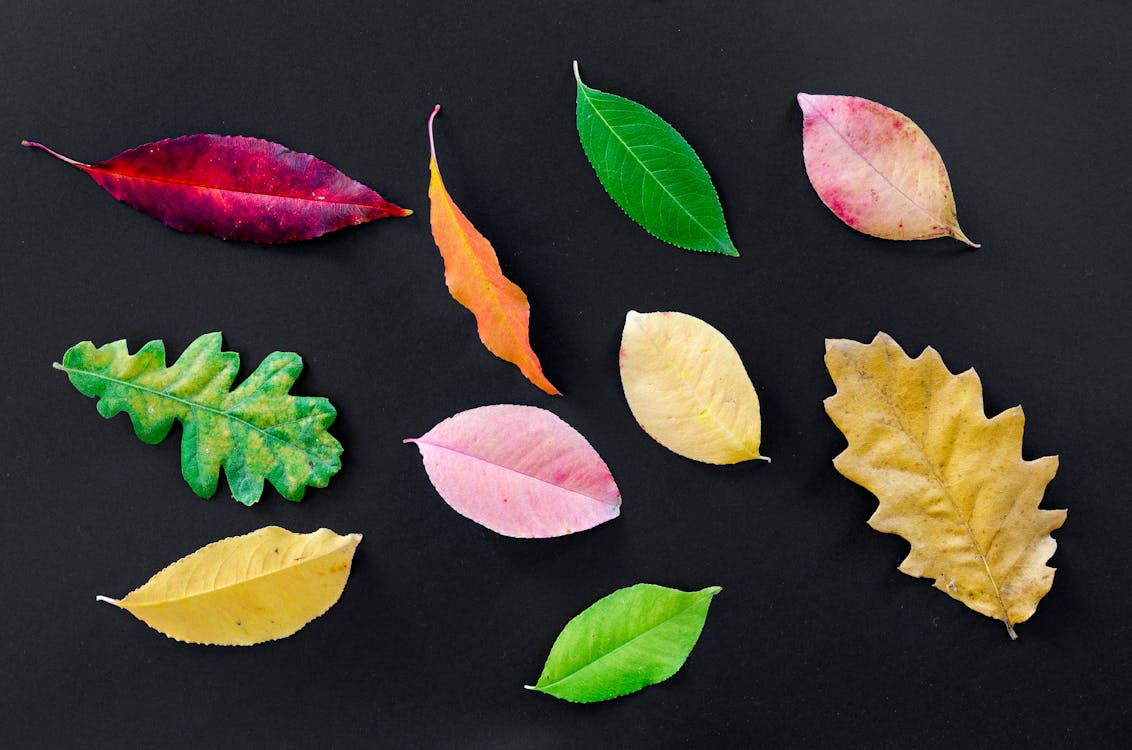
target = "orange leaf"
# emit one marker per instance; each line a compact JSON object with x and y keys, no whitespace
{"x":475,"y":280}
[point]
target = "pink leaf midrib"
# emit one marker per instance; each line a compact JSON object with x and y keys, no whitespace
{"x":422,"y":441}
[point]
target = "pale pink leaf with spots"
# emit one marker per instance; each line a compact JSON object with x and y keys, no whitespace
{"x":876,"y":169}
{"x":520,"y":471}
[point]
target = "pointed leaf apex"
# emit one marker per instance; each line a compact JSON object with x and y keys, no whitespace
{"x":957,"y":233}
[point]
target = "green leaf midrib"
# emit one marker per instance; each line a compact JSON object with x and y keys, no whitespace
{"x":724,"y":244}
{"x":635,"y":638}
{"x":195,"y":405}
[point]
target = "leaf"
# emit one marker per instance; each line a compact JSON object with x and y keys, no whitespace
{"x":687,"y":388}
{"x":635,"y":637}
{"x":256,"y":431}
{"x":473,"y":275}
{"x":950,"y":481}
{"x":520,"y":471}
{"x":245,"y":589}
{"x":236,"y":188}
{"x":650,"y":171}
{"x":876,"y":170}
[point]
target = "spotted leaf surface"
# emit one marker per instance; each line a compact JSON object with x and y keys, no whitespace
{"x":236,"y":188}
{"x":876,"y":170}
{"x":635,"y":637}
{"x":650,"y":171}
{"x":245,"y":589}
{"x":255,"y":432}
{"x":520,"y":471}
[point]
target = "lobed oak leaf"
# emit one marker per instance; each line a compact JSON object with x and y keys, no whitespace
{"x":949,"y":480}
{"x":256,"y":431}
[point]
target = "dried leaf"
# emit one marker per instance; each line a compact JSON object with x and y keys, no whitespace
{"x":949,"y":480}
{"x":520,"y":471}
{"x":635,"y":637}
{"x":473,"y":275}
{"x":876,"y":170}
{"x":245,"y":589}
{"x":650,"y":171}
{"x":236,"y":188}
{"x":256,"y":431}
{"x":688,"y":389}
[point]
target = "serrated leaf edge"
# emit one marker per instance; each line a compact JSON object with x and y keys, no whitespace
{"x":727,"y":249}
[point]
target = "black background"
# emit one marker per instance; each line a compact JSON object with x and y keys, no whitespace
{"x":816,"y":640}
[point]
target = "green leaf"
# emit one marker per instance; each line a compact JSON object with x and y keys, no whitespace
{"x":256,"y":431}
{"x":651,"y":171}
{"x":633,"y":638}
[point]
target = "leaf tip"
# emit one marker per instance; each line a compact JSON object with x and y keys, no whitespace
{"x":957,"y":233}
{"x":713,"y":590}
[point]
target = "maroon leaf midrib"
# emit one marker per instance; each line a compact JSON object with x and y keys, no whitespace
{"x":124,"y":175}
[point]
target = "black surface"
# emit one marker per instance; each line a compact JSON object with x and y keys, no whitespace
{"x":816,"y":640}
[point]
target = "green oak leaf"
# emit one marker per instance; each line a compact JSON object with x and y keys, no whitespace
{"x":650,"y":171}
{"x":635,"y":637}
{"x":256,"y":431}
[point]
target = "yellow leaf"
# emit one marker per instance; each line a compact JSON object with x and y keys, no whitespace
{"x":950,"y":481}
{"x":246,"y":589}
{"x":687,"y":388}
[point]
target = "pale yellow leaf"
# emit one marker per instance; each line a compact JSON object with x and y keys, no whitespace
{"x":246,"y":589}
{"x":949,"y":480}
{"x":687,"y":388}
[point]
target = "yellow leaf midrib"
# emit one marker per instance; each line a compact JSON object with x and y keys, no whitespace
{"x":671,"y":362}
{"x":935,"y":475}
{"x":124,"y":601}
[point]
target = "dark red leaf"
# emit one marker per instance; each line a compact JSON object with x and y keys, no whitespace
{"x":236,"y":188}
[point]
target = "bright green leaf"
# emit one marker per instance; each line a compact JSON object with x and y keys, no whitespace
{"x":256,"y":431}
{"x":651,"y":171}
{"x":633,"y":638}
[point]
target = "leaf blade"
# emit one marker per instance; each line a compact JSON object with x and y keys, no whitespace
{"x":235,"y":187}
{"x":519,"y":471}
{"x":475,"y":280}
{"x":947,"y":478}
{"x":633,"y":150}
{"x":876,"y":169}
{"x":635,"y":637}
{"x":255,"y":432}
{"x":246,"y":589}
{"x":688,"y":389}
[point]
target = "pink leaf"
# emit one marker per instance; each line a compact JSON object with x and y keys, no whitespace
{"x":520,"y":471}
{"x":876,"y":169}
{"x":236,"y":188}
